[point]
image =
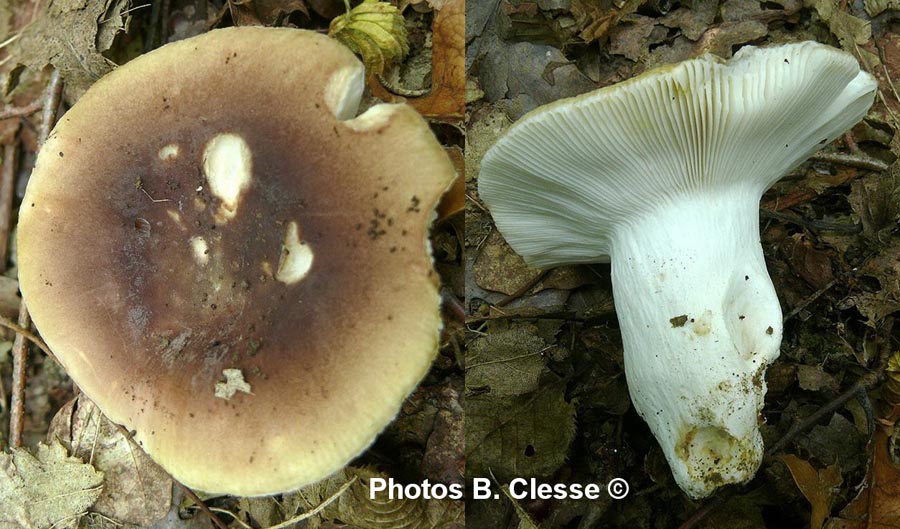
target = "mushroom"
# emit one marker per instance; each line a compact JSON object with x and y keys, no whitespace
{"x":232,"y":265}
{"x":661,"y":175}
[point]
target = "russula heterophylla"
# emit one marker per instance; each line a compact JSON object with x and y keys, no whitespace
{"x":662,"y":175}
{"x":230,"y":263}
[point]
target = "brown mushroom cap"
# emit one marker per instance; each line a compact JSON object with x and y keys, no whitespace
{"x":301,"y":267}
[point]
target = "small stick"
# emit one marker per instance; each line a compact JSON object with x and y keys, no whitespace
{"x":7,"y":190}
{"x":523,"y":289}
{"x":199,"y":503}
{"x":310,"y":514}
{"x":805,"y":303}
{"x":35,"y":339}
{"x":455,"y":306}
{"x":17,"y":399}
{"x":799,"y":427}
{"x":18,"y":112}
{"x":851,"y":160}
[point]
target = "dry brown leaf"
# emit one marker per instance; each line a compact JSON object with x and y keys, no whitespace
{"x":849,"y":30}
{"x":818,"y":486}
{"x":810,"y":263}
{"x":809,"y":188}
{"x":499,"y":269}
{"x":877,"y":506}
{"x":264,"y":12}
{"x":49,"y":489}
{"x":137,"y":490}
{"x":598,"y":17}
{"x":70,"y":34}
{"x":358,"y":507}
{"x":447,"y":99}
{"x":454,"y":200}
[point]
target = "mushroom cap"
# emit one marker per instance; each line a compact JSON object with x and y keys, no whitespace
{"x":232,"y":267}
{"x":564,"y":176}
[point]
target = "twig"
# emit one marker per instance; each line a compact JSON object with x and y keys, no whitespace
{"x":477,"y":203}
{"x":199,"y":503}
{"x":805,"y":303}
{"x":295,"y":519}
{"x":522,"y":290}
{"x":10,"y":40}
{"x":19,"y":350}
{"x":17,"y":398}
{"x":7,"y":190}
{"x":864,"y":383}
{"x":18,"y":112}
{"x":818,"y":225}
{"x":35,"y":339}
{"x":234,"y":517}
{"x":454,"y":305}
{"x":310,"y":514}
{"x":851,"y":160}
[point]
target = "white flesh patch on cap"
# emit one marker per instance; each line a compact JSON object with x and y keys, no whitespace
{"x":201,"y":250}
{"x":344,"y":90}
{"x":234,"y":382}
{"x":296,"y":257}
{"x":228,"y":164}
{"x":175,"y":216}
{"x":169,"y":152}
{"x":375,"y":118}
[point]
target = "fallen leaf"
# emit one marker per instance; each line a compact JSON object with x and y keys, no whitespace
{"x":356,"y":506}
{"x":264,"y":12}
{"x":631,"y":38}
{"x":49,"y":489}
{"x":483,"y":128}
{"x":877,"y":7}
{"x":814,"y":184}
{"x":136,"y":490}
{"x":454,"y":200}
{"x":265,"y":511}
{"x":836,"y":442}
{"x":374,"y":30}
{"x":505,"y":362}
{"x":70,"y":35}
{"x":500,"y":269}
{"x":525,"y":520}
{"x":811,"y":264}
{"x":444,"y":460}
{"x":528,"y":435}
{"x":446,"y":101}
{"x":596,"y":18}
{"x":876,"y":200}
{"x":693,"y":20}
{"x":721,"y":39}
{"x":819,"y":487}
{"x":877,"y":506}
{"x":849,"y":30}
{"x":813,"y":378}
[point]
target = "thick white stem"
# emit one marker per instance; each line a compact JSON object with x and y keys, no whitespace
{"x":700,"y":322}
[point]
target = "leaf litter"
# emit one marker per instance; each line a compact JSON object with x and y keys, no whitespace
{"x":832,"y":243}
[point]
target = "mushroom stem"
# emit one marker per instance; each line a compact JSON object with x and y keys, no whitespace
{"x":700,"y":322}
